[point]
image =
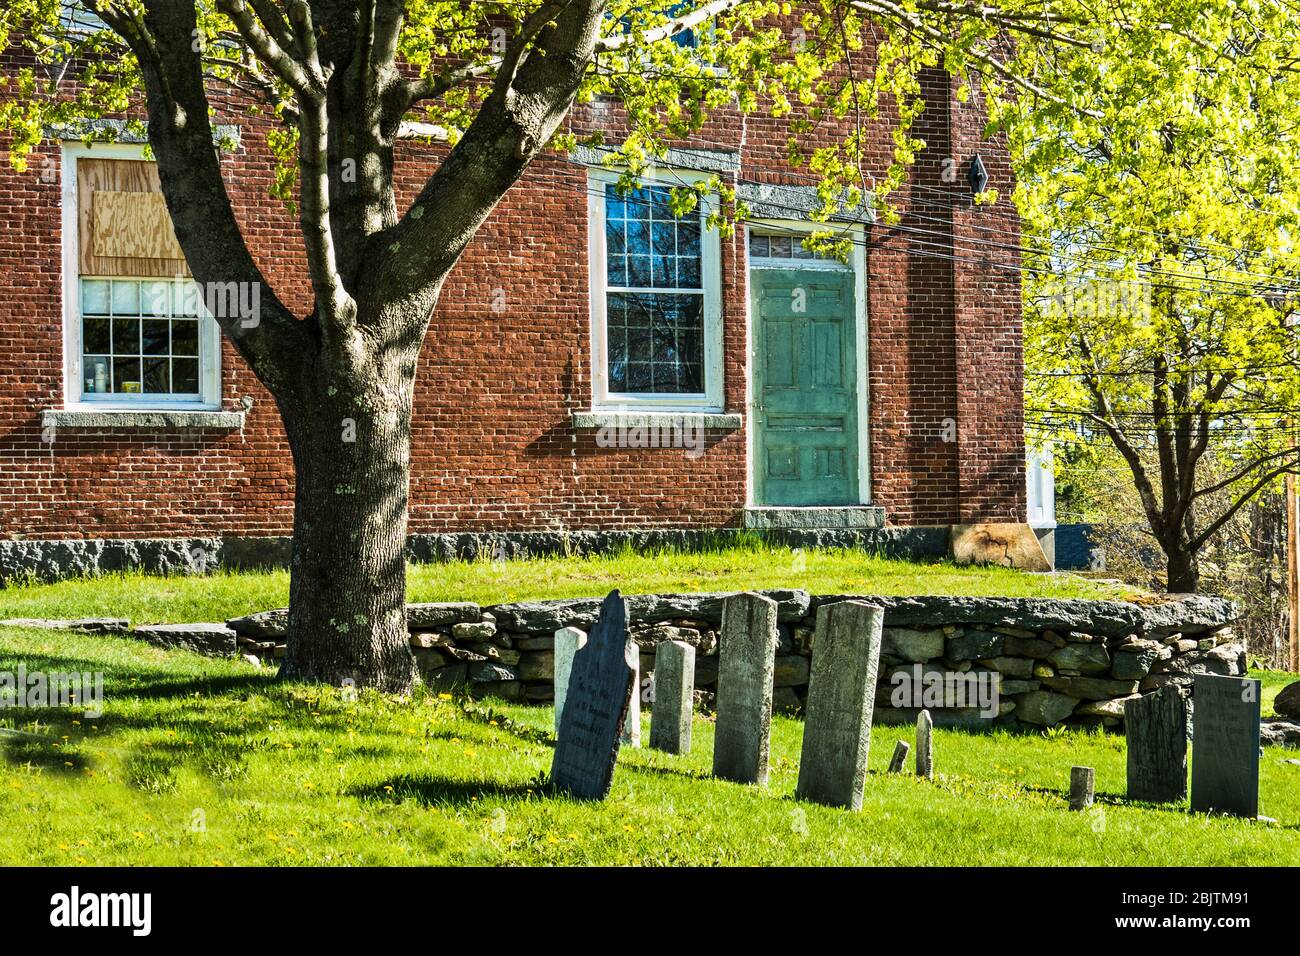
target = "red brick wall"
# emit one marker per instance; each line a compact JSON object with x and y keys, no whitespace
{"x":493,"y":447}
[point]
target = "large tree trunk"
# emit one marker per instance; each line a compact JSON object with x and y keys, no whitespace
{"x":1183,"y":573}
{"x":351,"y":441}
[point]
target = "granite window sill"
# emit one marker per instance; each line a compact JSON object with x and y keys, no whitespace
{"x":151,"y":419}
{"x":722,"y":421}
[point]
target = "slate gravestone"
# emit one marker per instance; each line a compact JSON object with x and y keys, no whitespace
{"x":600,"y":689}
{"x":841,"y":697}
{"x":899,"y":758}
{"x":1225,"y":745}
{"x":746,"y":662}
{"x":925,"y":745}
{"x":670,"y":720}
{"x":567,"y":642}
{"x":1083,"y":784}
{"x":1156,"y":728}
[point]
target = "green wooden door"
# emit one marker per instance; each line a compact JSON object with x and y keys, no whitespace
{"x":805,"y":387}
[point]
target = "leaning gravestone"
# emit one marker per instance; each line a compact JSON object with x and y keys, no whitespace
{"x":599,"y":692}
{"x":899,"y":758}
{"x":1156,"y":728}
{"x":1225,"y":745}
{"x":568,"y":640}
{"x":746,"y":663}
{"x":670,"y":720}
{"x":841,"y":697}
{"x":925,"y":745}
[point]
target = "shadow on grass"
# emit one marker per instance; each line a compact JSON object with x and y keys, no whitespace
{"x":434,"y":791}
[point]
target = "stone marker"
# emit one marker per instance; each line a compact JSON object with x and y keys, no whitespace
{"x":746,"y":662}
{"x":1225,"y":745}
{"x":670,"y":720}
{"x":841,"y":697}
{"x":1082,"y":787}
{"x":900,"y":756}
{"x":924,"y":745}
{"x":632,"y":724}
{"x":568,"y":640}
{"x":1156,"y":728}
{"x":599,"y":691}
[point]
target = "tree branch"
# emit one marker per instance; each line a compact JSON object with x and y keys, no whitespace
{"x":277,"y":59}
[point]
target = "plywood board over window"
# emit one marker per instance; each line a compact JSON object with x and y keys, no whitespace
{"x":124,"y":228}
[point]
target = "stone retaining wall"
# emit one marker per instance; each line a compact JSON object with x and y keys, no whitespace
{"x":1059,"y":661}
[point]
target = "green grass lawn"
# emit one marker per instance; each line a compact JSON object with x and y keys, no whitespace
{"x":149,"y":599}
{"x":278,"y":774}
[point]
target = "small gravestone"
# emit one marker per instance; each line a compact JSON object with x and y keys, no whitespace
{"x":632,"y":724}
{"x":599,"y":692}
{"x":1082,"y":787}
{"x":900,"y":756}
{"x":1156,"y":728}
{"x":670,"y":720}
{"x":1225,"y":745}
{"x":841,"y":697}
{"x":746,"y":662}
{"x":924,"y":745}
{"x":568,"y":640}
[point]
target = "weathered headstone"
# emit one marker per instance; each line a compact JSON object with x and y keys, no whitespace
{"x":899,"y":758}
{"x":599,"y":692}
{"x":841,"y":697}
{"x":1225,"y":745}
{"x":568,"y":640}
{"x":670,"y":720}
{"x":1156,"y":728}
{"x":632,"y":723}
{"x":746,"y":662}
{"x":1082,"y":787}
{"x":925,"y":745}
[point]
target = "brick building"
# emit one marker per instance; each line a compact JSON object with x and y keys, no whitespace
{"x":582,"y":332}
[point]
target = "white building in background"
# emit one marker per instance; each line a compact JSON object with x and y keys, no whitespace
{"x":1040,"y":496}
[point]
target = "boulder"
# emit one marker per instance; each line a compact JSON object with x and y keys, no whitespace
{"x":1021,"y":668}
{"x":1103,"y":708}
{"x":1224,"y":660}
{"x":704,"y":642}
{"x":210,"y":639}
{"x":1010,"y":545}
{"x":471,"y":631}
{"x":1092,"y":688}
{"x":483,"y":672}
{"x":421,"y":617}
{"x":912,"y":645}
{"x":534,"y":642}
{"x":1133,"y":664}
{"x":1081,"y":659}
{"x":1283,"y":732}
{"x":263,"y":626}
{"x":1287,"y":701}
{"x":446,"y":679}
{"x":971,"y":645}
{"x":1044,"y":708}
{"x":1035,"y":647}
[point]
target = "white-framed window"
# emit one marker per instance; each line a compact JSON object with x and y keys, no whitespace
{"x":655,"y":299}
{"x":131,"y":342}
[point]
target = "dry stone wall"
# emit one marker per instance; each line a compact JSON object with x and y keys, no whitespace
{"x":1054,"y":661}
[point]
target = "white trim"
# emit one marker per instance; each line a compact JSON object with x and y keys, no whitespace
{"x":711,"y":400}
{"x":209,"y":333}
{"x":859,"y":266}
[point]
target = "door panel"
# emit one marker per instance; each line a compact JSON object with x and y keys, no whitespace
{"x":805,"y":387}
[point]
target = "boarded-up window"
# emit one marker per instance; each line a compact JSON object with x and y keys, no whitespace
{"x":124,"y":228}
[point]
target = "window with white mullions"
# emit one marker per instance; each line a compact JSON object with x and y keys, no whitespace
{"x":654,"y":295}
{"x":655,"y":299}
{"x":140,"y":339}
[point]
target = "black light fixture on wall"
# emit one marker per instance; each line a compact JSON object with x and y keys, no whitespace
{"x":977,"y":175}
